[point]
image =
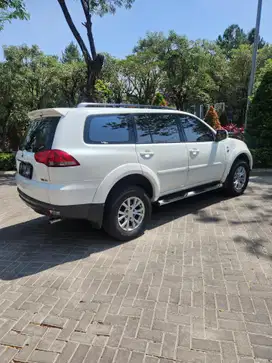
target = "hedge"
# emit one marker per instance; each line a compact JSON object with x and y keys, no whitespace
{"x":262,"y":157}
{"x":7,"y":162}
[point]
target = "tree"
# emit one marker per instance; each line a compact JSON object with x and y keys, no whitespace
{"x":232,"y":38}
{"x":112,"y":77}
{"x":237,"y":79}
{"x":259,"y":128}
{"x":185,"y":65}
{"x":251,"y":39}
{"x":141,"y":77}
{"x":71,"y":54}
{"x":28,"y":80}
{"x":12,"y":9}
{"x":71,"y":83}
{"x":94,"y":61}
{"x":212,"y":118}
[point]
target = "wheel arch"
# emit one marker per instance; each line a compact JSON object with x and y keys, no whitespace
{"x":138,"y":180}
{"x":127,"y":175}
{"x":241,"y":156}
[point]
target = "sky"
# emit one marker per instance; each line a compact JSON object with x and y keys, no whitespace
{"x":118,"y":34}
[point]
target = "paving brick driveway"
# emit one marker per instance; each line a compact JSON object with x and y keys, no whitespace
{"x":197,"y":287}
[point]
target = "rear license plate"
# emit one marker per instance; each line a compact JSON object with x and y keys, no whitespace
{"x":26,"y":170}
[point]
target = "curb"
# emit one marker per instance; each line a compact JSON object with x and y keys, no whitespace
{"x":259,"y":171}
{"x":7,"y":173}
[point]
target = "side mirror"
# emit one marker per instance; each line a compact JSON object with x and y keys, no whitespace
{"x":221,"y":135}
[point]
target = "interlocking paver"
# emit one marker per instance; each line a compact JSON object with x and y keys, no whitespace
{"x":197,"y":287}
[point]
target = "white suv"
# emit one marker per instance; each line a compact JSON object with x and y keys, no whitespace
{"x":109,"y":163}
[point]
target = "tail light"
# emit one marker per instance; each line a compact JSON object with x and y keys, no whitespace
{"x":55,"y":158}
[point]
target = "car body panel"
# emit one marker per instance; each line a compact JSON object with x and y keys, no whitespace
{"x":170,"y":167}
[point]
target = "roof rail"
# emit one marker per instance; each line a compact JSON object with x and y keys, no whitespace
{"x":120,"y":105}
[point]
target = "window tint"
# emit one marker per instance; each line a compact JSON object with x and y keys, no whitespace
{"x":40,"y":134}
{"x":157,"y":128}
{"x":108,"y":129}
{"x":195,"y":130}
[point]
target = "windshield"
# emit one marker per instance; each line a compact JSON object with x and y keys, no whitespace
{"x":40,"y":134}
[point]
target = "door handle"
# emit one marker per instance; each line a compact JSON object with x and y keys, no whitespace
{"x":194,"y":152}
{"x":147,"y":154}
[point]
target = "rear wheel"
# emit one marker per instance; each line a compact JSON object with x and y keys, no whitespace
{"x":238,"y":177}
{"x":127,"y":213}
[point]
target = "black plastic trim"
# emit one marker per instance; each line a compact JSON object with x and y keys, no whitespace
{"x":92,"y":212}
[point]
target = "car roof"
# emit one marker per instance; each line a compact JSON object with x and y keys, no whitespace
{"x":87,"y":111}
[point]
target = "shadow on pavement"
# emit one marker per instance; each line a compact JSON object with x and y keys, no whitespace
{"x":7,"y":180}
{"x":34,"y":246}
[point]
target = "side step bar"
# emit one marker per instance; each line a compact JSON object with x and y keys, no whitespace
{"x":188,"y":194}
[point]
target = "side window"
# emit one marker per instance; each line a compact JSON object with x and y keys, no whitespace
{"x":195,"y":130}
{"x":157,"y":128}
{"x":108,"y":129}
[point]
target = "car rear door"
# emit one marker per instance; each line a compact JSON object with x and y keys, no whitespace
{"x":31,"y":176}
{"x":207,"y":158}
{"x":160,"y":149}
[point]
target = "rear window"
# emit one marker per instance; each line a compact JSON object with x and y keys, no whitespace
{"x":40,"y":134}
{"x":108,"y":129}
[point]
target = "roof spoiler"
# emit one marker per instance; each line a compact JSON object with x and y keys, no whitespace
{"x":47,"y":112}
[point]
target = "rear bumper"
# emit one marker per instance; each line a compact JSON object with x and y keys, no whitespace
{"x":92,"y":212}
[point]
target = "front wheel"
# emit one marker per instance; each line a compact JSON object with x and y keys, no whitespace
{"x":127,"y":213}
{"x":238,"y":178}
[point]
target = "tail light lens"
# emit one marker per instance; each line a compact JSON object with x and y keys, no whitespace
{"x":55,"y":158}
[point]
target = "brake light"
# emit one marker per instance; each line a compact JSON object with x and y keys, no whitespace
{"x":55,"y":158}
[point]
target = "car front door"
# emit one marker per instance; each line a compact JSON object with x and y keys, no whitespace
{"x":207,"y":158}
{"x":161,"y":150}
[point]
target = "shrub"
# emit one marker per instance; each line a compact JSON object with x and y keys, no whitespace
{"x":7,"y":162}
{"x":212,"y":118}
{"x":223,"y":118}
{"x":259,"y":129}
{"x":235,"y":131}
{"x":262,"y":157}
{"x":159,"y":100}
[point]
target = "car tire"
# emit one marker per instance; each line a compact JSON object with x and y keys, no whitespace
{"x":121,"y":211}
{"x":237,"y":179}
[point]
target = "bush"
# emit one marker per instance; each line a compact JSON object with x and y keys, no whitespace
{"x":7,"y":162}
{"x":237,"y":135}
{"x":259,"y":128}
{"x":212,"y":118}
{"x":262,"y":158}
{"x":159,"y":100}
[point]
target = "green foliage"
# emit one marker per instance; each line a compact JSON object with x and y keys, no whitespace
{"x":159,"y":100}
{"x":259,"y":130}
{"x":31,"y":80}
{"x":7,"y":162}
{"x":103,"y":91}
{"x":187,"y":73}
{"x":102,"y":7}
{"x":233,"y":37}
{"x":72,"y":78}
{"x":71,"y":54}
{"x":262,"y":157}
{"x":12,"y":9}
{"x":223,"y":118}
{"x":142,"y":76}
{"x":251,"y":38}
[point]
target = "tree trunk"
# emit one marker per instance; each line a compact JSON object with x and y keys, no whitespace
{"x":89,"y":94}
